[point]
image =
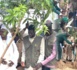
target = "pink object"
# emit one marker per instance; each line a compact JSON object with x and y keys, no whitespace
{"x":50,"y":58}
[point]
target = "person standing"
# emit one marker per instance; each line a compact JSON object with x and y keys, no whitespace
{"x":60,"y":41}
{"x":50,"y":49}
{"x":10,"y":59}
{"x":33,"y":50}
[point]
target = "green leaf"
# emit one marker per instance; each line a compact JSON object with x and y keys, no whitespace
{"x":48,"y":2}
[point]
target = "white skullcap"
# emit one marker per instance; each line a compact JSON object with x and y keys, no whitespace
{"x":4,"y":27}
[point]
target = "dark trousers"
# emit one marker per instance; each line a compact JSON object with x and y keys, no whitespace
{"x":59,"y":51}
{"x":18,"y":65}
{"x":45,"y":68}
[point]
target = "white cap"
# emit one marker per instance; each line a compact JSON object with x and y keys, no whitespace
{"x":3,"y":27}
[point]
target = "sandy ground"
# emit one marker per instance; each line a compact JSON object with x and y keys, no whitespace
{"x":66,"y":66}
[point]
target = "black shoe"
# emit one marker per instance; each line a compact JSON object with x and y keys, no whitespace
{"x":69,"y":60}
{"x":64,"y":61}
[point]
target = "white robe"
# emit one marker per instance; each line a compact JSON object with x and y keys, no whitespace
{"x":11,"y":54}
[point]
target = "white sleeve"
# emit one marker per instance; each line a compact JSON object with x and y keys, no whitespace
{"x":42,"y":51}
{"x":15,"y":55}
{"x":69,"y":23}
{"x":23,"y":53}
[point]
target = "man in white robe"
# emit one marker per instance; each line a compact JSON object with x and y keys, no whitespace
{"x":10,"y":59}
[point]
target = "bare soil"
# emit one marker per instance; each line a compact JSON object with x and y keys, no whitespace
{"x":66,"y":66}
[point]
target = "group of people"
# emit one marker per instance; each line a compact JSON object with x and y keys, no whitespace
{"x":32,"y":52}
{"x":37,"y":52}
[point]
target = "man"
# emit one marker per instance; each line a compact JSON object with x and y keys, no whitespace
{"x":50,"y":49}
{"x":10,"y":59}
{"x":33,"y":50}
{"x":63,"y":24}
{"x":18,"y":41}
{"x":60,"y":42}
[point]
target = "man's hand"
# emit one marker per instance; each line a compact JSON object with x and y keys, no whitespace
{"x":35,"y":69}
{"x":37,"y":66}
{"x":22,"y":64}
{"x":4,"y":61}
{"x":10,"y":64}
{"x":27,"y":24}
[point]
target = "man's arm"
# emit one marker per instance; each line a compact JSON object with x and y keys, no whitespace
{"x":24,"y":32}
{"x":41,"y":56}
{"x":65,"y":39}
{"x":56,"y":11}
{"x":23,"y":56}
{"x":51,"y":57}
{"x":69,"y":23}
{"x":42,"y":51}
{"x":15,"y":55}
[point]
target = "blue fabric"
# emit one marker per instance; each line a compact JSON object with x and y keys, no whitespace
{"x":16,"y":38}
{"x":59,"y":52}
{"x":75,"y":23}
{"x":45,"y":68}
{"x":74,"y":53}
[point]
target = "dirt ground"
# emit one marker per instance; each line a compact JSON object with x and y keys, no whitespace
{"x":66,"y":66}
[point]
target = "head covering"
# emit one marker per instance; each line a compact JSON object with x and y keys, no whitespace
{"x":48,"y":22}
{"x":3,"y":27}
{"x":31,"y":27}
{"x":9,"y":33}
{"x":65,"y":19}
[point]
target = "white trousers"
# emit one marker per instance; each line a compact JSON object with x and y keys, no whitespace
{"x":30,"y":68}
{"x":5,"y":67}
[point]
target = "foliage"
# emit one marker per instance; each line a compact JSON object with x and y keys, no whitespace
{"x":73,"y":32}
{"x":16,"y":10}
{"x":42,"y":8}
{"x":15,"y":15}
{"x":43,"y":29}
{"x":11,"y":3}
